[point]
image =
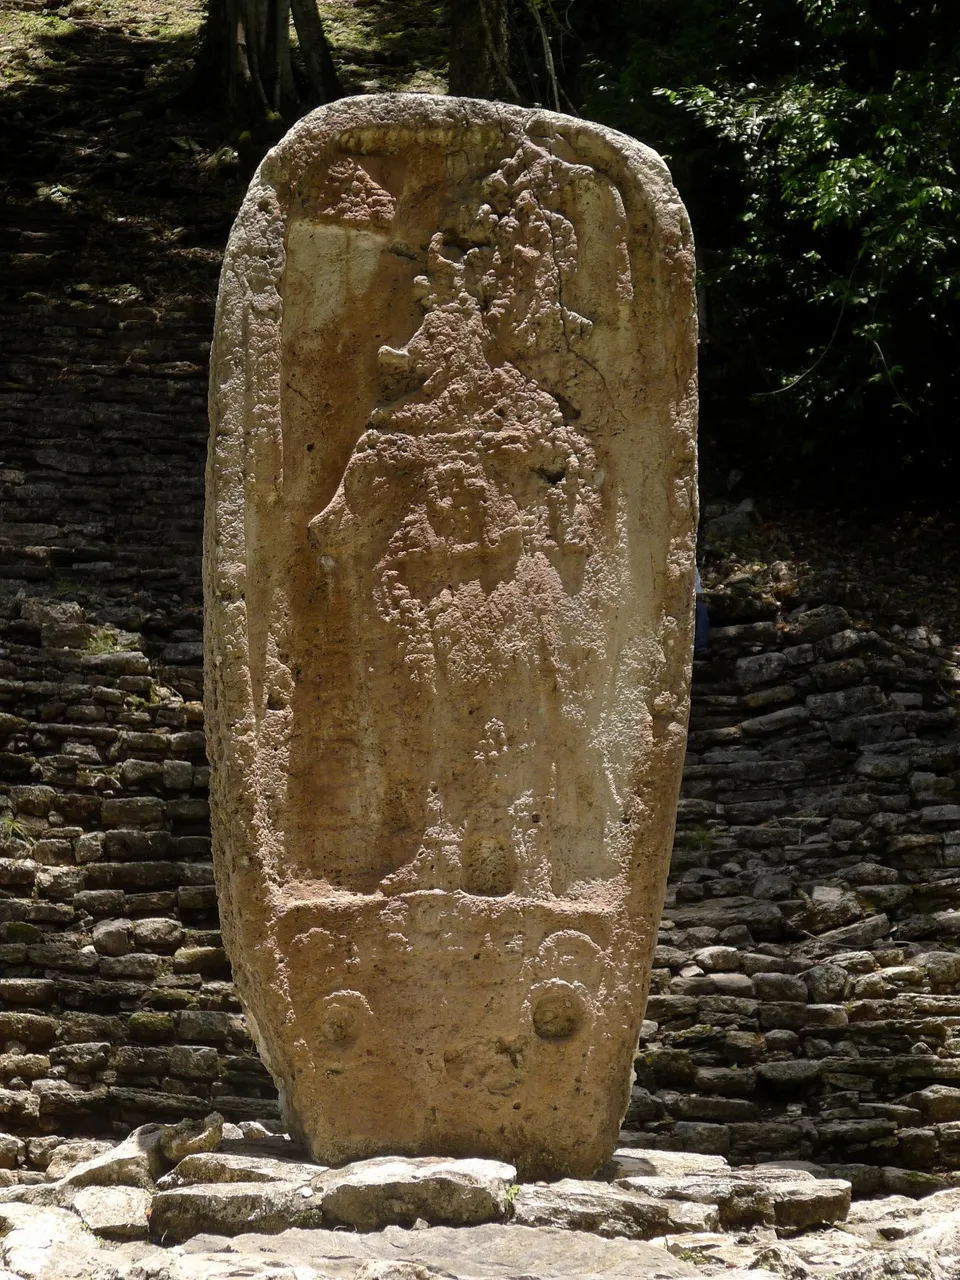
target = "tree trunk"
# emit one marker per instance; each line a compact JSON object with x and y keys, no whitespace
{"x":480,"y":50}
{"x":321,"y":73}
{"x":245,"y":62}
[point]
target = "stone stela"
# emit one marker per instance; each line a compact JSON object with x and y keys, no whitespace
{"x":449,"y":588}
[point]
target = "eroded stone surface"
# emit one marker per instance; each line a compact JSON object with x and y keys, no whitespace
{"x":608,"y":1211}
{"x":383,"y":1192}
{"x":222,"y":1166}
{"x":782,"y":1226}
{"x":448,"y":579}
{"x":117,"y":1213}
{"x":229,"y":1208}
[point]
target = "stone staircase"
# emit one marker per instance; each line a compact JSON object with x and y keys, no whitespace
{"x":804,"y":996}
{"x":803,"y":1001}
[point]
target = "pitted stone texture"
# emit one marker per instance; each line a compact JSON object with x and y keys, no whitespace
{"x":390,"y":1192}
{"x":487,"y":1252}
{"x":118,"y":1213}
{"x":220,"y":1166}
{"x":609,"y":1211}
{"x":229,"y":1208}
{"x":449,"y":582}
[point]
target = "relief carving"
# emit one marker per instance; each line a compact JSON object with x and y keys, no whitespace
{"x":449,"y":584}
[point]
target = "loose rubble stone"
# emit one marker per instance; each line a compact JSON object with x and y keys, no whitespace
{"x":637,"y":1161}
{"x":381,"y":1192}
{"x":230,"y":1208}
{"x":456,"y":445}
{"x":486,"y":1252}
{"x":802,"y":1205}
{"x":189,"y":1137}
{"x":136,"y":1162}
{"x":740,"y":1202}
{"x":46,"y":1244}
{"x":588,"y":1206}
{"x":68,"y":1155}
{"x":222,"y":1166}
{"x":116,"y":1213}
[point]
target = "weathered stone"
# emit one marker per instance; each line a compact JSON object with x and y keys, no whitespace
{"x":941,"y":967}
{"x":12,"y":1149}
{"x":719,"y":1110}
{"x":741,"y":1202}
{"x":645,"y":1162}
{"x":68,"y":1155}
{"x":487,"y":1252}
{"x":864,"y":1179}
{"x":222,"y":1166}
{"x":937,"y":1103}
{"x":763,"y":668}
{"x":229,"y":1208}
{"x":816,"y":624}
{"x":863,"y":1211}
{"x":724,"y":984}
{"x":911,"y":1182}
{"x":118,"y":1213}
{"x":830,"y":909}
{"x":797,"y":1074}
{"x":135,"y":1162}
{"x":607,"y":1211}
{"x":709,"y":1139}
{"x":780,"y":986}
{"x":46,"y":1243}
{"x":826,"y":983}
{"x":718,"y":959}
{"x":791,"y":1016}
{"x":190,"y":1137}
{"x":763,"y":919}
{"x":376,"y":1193}
{"x":445,"y":949}
{"x":800,"y":1205}
{"x":781,"y":1260}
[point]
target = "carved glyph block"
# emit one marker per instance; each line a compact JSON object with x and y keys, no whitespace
{"x":448,"y":574}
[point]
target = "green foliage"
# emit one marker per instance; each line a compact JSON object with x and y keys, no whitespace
{"x":12,"y":829}
{"x":701,"y":838}
{"x":816,"y":143}
{"x":106,"y":640}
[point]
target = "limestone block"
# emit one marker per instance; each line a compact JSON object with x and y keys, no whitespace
{"x":231,"y":1208}
{"x":609,"y":1211}
{"x":381,"y":1192}
{"x":490,"y":1251}
{"x":119,"y":1213}
{"x":135,"y":1162}
{"x":68,"y":1155}
{"x":448,"y":577}
{"x":191,"y":1137}
{"x":937,"y":1103}
{"x":800,"y":1205}
{"x":45,"y":1243}
{"x":222,"y":1166}
{"x":741,"y":1202}
{"x":643,"y":1161}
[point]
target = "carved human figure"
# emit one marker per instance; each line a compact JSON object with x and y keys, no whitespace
{"x":449,"y":571}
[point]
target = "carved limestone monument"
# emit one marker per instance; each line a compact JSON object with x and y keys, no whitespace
{"x":449,"y":586}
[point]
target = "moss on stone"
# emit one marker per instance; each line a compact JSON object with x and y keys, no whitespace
{"x":20,"y":931}
{"x":151,"y":1027}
